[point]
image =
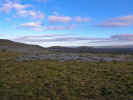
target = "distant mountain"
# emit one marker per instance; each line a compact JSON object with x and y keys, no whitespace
{"x":20,"y":47}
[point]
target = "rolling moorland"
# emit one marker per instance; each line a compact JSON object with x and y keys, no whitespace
{"x":30,"y":72}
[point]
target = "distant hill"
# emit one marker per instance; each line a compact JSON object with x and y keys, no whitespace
{"x":116,"y":46}
{"x":85,"y":49}
{"x":21,"y":47}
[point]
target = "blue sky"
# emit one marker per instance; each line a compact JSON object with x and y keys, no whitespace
{"x":67,"y":22}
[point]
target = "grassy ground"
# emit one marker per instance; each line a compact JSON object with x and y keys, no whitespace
{"x":53,"y":80}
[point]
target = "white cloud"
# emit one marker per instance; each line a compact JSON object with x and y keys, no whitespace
{"x":123,"y":37}
{"x":113,"y":24}
{"x":128,"y":18}
{"x":64,"y":19}
{"x":32,"y":24}
{"x":61,"y":27}
{"x":6,"y":7}
{"x":21,"y":10}
{"x":80,"y":19}
{"x":70,"y":40}
{"x":123,"y":21}
{"x":18,"y":6}
{"x":31,"y":13}
{"x":67,"y":19}
{"x":47,"y":40}
{"x":37,"y":26}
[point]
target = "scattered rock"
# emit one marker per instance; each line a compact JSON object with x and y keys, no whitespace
{"x":68,"y":57}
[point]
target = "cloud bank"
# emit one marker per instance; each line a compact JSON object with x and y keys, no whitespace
{"x":123,"y":21}
{"x":69,"y":40}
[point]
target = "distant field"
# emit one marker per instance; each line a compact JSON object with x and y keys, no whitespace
{"x":73,"y":80}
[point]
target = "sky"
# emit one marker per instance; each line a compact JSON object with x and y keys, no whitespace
{"x":67,"y":22}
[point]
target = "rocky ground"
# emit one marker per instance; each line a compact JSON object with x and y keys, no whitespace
{"x":71,"y":57}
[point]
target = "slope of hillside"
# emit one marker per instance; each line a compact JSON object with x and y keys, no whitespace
{"x":21,"y":47}
{"x":8,"y":45}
